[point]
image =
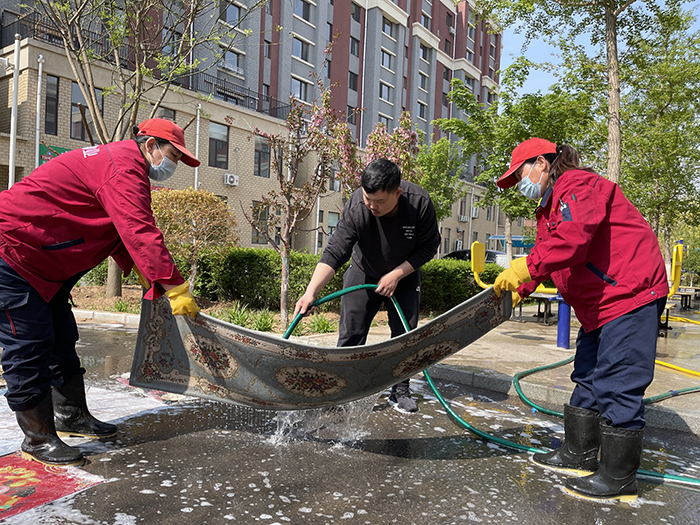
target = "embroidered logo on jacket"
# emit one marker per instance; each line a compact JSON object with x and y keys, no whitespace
{"x":90,"y":151}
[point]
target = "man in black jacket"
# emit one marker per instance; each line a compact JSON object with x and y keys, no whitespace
{"x":389,"y":229}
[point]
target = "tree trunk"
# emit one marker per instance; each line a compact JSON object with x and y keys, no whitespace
{"x":193,"y":275}
{"x":614,"y":140}
{"x":114,"y":279}
{"x":284,"y":291}
{"x":508,"y":234}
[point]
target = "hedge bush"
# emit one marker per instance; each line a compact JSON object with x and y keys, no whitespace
{"x":252,"y":276}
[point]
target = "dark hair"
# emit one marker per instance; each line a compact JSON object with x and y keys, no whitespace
{"x":565,"y":159}
{"x":381,"y":174}
{"x":141,"y":139}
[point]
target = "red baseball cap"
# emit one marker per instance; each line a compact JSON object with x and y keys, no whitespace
{"x":168,"y":130}
{"x":525,"y":150}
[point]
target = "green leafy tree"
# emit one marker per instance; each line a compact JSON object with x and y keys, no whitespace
{"x":603,"y":21}
{"x":491,"y":133}
{"x":661,"y":128}
{"x":192,"y":221}
{"x":439,"y":166}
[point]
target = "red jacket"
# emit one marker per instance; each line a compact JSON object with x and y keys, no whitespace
{"x":75,"y":210}
{"x":600,"y":252}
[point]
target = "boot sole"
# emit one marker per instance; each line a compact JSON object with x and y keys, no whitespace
{"x":29,"y":457}
{"x":571,"y":471}
{"x":626,"y":499}
{"x":62,"y":433}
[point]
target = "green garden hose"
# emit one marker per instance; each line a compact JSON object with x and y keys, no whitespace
{"x":455,"y":416}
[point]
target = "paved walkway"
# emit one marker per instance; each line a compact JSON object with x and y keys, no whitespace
{"x":516,"y":346}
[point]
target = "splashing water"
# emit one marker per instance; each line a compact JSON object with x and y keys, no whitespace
{"x":342,"y":422}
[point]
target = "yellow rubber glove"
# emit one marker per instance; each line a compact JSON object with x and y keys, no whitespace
{"x":511,"y":278}
{"x":516,"y":299}
{"x":181,"y":300}
{"x":141,"y":278}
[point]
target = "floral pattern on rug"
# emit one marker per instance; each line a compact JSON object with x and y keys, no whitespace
{"x":424,"y":358}
{"x":213,"y":357}
{"x":310,"y":382}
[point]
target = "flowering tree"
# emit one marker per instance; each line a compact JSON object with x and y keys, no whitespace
{"x":399,"y":146}
{"x":317,"y":132}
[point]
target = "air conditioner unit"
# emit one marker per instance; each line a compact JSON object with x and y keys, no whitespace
{"x":458,"y":245}
{"x":462,"y":218}
{"x":451,"y":30}
{"x":475,"y":213}
{"x":459,"y":230}
{"x":230,"y":179}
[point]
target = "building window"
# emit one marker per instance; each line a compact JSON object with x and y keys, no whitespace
{"x":328,"y":68}
{"x":471,"y":44}
{"x":488,"y":213}
{"x":268,"y":7}
{"x":333,"y":218}
{"x":230,"y":13}
{"x":77,"y":129}
{"x":302,"y":9}
{"x":352,"y":116}
{"x":261,"y":165}
{"x":425,"y":52}
{"x":333,"y":185}
{"x":383,"y":119}
{"x":233,"y":62}
{"x":352,"y":81}
{"x":218,"y":145}
{"x":166,"y":113}
{"x":320,"y":240}
{"x":425,"y":20}
{"x":267,"y":49}
{"x":471,"y":83}
{"x":300,"y":49}
{"x":51,"y":118}
{"x":422,"y":110}
{"x":388,"y":27}
{"x":448,"y":20}
{"x":329,"y":31}
{"x":300,"y":89}
{"x":386,"y":59}
{"x":355,"y":12}
{"x":448,"y":47}
{"x":320,"y":213}
{"x":354,"y":47}
{"x":260,"y":216}
{"x":423,"y":82}
{"x":384,"y":91}
{"x":447,"y":74}
{"x":492,"y":57}
{"x":475,"y":236}
{"x":444,"y":100}
{"x":446,"y":239}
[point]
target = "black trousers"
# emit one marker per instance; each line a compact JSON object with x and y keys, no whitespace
{"x":359,"y":308}
{"x":38,"y":340}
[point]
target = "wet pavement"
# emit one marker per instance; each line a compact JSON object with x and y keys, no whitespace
{"x":188,"y":461}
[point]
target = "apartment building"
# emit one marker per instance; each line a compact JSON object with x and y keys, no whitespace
{"x":387,"y":57}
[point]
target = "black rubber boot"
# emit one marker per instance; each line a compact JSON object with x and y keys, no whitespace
{"x":616,"y":478}
{"x":40,"y":440}
{"x":579,"y":452}
{"x":73,"y":418}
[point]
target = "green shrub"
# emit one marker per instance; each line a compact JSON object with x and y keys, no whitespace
{"x":263,"y":321}
{"x":319,"y":324}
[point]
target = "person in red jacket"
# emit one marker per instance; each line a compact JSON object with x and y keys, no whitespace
{"x":55,"y":225}
{"x":605,"y":262}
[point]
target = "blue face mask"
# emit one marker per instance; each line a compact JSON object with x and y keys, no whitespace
{"x":162,"y":171}
{"x":531,"y":190}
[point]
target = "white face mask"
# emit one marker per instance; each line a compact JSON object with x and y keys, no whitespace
{"x":162,"y":171}
{"x":531,"y":190}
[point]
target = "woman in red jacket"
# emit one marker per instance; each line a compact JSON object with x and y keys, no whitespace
{"x":606,"y":263}
{"x":55,"y":225}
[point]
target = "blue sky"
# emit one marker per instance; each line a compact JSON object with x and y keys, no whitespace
{"x":539,"y":51}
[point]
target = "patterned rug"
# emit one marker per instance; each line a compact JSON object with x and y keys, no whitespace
{"x":27,"y":484}
{"x":209,"y":358}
